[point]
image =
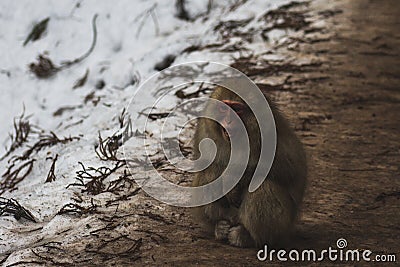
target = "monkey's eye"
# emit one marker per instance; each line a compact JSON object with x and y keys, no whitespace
{"x":238,"y":107}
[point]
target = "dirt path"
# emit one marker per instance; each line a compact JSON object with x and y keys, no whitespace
{"x":346,"y":109}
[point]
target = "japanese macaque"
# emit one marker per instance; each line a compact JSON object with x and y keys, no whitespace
{"x":267,"y":215}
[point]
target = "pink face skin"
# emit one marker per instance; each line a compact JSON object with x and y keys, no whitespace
{"x":228,"y":117}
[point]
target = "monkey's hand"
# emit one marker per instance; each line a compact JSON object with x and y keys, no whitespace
{"x":238,"y":236}
{"x":221,"y":230}
{"x":235,"y":235}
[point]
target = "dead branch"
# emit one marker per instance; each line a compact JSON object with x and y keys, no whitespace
{"x":67,"y":64}
{"x":61,"y":110}
{"x":107,"y":248}
{"x":108,"y":148}
{"x":12,"y":207}
{"x":120,"y":184}
{"x":121,"y":118}
{"x":73,"y":208}
{"x":144,"y":15}
{"x":45,"y":140}
{"x":26,"y":263}
{"x":155,"y":115}
{"x":182,"y":95}
{"x":22,"y":129}
{"x":51,"y":177}
{"x":92,"y":179}
{"x":15,"y":175}
{"x":125,"y":197}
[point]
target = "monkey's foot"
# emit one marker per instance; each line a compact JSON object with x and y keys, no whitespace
{"x":238,"y":236}
{"x":222,"y":230}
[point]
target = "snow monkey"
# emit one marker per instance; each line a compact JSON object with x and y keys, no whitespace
{"x":267,"y":215}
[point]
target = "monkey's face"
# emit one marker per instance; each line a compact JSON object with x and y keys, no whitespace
{"x":228,"y":117}
{"x":232,"y":113}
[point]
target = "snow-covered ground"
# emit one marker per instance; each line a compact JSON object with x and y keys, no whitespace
{"x":132,"y":38}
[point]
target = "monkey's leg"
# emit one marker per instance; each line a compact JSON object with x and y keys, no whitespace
{"x":266,"y":215}
{"x":210,"y":215}
{"x":221,"y":210}
{"x":236,"y":235}
{"x":224,"y":227}
{"x":224,"y":216}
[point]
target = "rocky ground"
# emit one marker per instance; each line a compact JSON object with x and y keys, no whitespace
{"x":337,"y":82}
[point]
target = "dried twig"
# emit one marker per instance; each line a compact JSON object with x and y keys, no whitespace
{"x":155,"y":115}
{"x":144,"y":15}
{"x":49,"y":259}
{"x":66,"y":64}
{"x":107,"y":250}
{"x":120,"y":183}
{"x":37,"y":31}
{"x":92,"y":179}
{"x":181,"y":11}
{"x":124,"y":197}
{"x":22,"y":129}
{"x":26,"y":263}
{"x":45,"y":140}
{"x":14,"y":175}
{"x":6,"y":72}
{"x":51,"y":177}
{"x":12,"y":207}
{"x":81,"y":82}
{"x":73,"y":208}
{"x":182,"y":95}
{"x":61,"y":110}
{"x":5,"y":257}
{"x":108,"y":148}
{"x":121,"y":118}
{"x":209,"y":6}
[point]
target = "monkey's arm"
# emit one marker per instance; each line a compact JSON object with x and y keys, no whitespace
{"x":235,"y":196}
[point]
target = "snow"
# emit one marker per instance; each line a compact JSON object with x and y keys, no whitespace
{"x":129,"y":44}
